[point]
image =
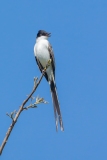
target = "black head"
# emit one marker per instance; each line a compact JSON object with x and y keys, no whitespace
{"x":43,"y":33}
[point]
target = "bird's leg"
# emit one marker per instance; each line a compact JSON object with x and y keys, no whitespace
{"x":47,"y":65}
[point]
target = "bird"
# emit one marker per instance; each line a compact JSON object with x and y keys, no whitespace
{"x":43,"y":52}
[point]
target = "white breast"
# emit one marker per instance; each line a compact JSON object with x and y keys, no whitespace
{"x":41,"y":51}
{"x":42,"y":54}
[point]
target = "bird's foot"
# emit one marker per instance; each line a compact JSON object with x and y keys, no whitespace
{"x":48,"y":64}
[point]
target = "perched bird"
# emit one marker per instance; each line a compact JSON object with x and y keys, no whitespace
{"x":43,"y":53}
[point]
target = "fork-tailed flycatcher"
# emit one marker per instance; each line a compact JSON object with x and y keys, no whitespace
{"x":43,"y":53}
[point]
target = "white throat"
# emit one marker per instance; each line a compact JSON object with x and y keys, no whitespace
{"x":41,"y":38}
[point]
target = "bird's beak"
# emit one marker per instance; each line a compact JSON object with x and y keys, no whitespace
{"x":48,"y":34}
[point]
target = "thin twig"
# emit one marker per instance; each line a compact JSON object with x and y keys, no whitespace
{"x":14,"y":120}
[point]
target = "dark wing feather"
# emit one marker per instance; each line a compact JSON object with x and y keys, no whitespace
{"x":41,"y":68}
{"x":52,"y":58}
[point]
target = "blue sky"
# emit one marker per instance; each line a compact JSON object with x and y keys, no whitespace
{"x":79,"y":40}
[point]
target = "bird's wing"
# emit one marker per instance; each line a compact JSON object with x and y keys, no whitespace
{"x":41,"y":68}
{"x":52,"y":58}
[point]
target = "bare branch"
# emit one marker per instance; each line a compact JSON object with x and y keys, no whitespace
{"x":12,"y":114}
{"x":17,"y":114}
{"x":38,"y":100}
{"x":14,"y":119}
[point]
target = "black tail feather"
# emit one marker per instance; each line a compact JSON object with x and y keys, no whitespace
{"x":57,"y":111}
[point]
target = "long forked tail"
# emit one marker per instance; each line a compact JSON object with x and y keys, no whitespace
{"x":57,"y":111}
